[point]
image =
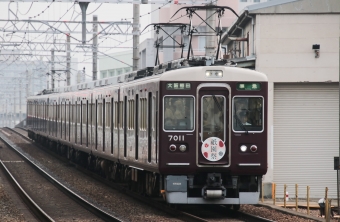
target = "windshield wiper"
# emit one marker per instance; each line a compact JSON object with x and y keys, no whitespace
{"x":239,"y":121}
{"x":241,"y":124}
{"x":217,"y":103}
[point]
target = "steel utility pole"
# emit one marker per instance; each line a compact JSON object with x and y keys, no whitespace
{"x":135,"y":37}
{"x":20,"y":112}
{"x":210,"y":41}
{"x":27,"y":84}
{"x":83,"y":7}
{"x":95,"y":47}
{"x":53,"y":69}
{"x":68,"y":60}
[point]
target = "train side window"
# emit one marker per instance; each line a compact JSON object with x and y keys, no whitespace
{"x":137,"y":127}
{"x":156,"y":126}
{"x":248,"y":113}
{"x":124,"y":123}
{"x":96,"y":124}
{"x":149,"y":114}
{"x":87,"y":123}
{"x":116,"y":115}
{"x":143,"y":113}
{"x":107,"y":114}
{"x":128,"y":113}
{"x":93,"y":114}
{"x":131,"y":118}
{"x":69,"y":121}
{"x":84,"y":112}
{"x":103,"y":114}
{"x":112,"y":123}
{"x":100,"y":114}
{"x":120,"y":119}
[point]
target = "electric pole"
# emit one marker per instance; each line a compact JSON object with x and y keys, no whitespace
{"x":135,"y":37}
{"x":95,"y":47}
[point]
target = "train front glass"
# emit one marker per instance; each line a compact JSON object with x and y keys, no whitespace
{"x":179,"y":113}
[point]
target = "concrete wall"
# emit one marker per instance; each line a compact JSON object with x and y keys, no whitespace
{"x":284,"y":47}
{"x":115,"y":64}
{"x":284,"y":53}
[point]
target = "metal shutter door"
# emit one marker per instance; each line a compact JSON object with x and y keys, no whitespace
{"x":306,"y":138}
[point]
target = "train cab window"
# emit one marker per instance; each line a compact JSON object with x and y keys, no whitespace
{"x":178,"y":113}
{"x":213,"y":116}
{"x":248,"y":114}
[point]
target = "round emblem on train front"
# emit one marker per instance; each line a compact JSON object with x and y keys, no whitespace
{"x":213,"y":149}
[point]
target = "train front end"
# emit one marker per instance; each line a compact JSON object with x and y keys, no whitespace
{"x":213,"y":135}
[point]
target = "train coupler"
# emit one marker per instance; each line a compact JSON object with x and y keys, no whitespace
{"x":214,"y":188}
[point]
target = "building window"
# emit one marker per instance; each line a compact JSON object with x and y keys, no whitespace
{"x":111,"y":72}
{"x":127,"y":70}
{"x":103,"y":74}
{"x":119,"y":72}
{"x":201,"y":43}
{"x":243,"y":0}
{"x":257,"y":0}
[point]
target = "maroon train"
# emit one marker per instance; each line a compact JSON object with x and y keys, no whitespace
{"x":196,"y":135}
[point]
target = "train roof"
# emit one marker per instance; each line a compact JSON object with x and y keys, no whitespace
{"x":176,"y":69}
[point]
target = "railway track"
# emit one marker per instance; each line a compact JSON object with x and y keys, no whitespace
{"x":70,"y":204}
{"x":218,"y":213}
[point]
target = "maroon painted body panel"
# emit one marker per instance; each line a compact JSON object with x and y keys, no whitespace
{"x":192,"y":140}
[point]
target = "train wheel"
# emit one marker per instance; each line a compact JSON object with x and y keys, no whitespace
{"x":150,"y":184}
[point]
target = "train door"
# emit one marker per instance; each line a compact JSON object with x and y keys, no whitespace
{"x":213,"y":124}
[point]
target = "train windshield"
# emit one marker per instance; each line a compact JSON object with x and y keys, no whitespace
{"x":248,"y":114}
{"x":213,"y":118}
{"x":178,"y":113}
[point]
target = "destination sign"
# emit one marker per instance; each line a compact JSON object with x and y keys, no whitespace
{"x":178,"y":86}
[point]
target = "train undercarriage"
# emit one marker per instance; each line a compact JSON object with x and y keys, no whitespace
{"x":203,"y":188}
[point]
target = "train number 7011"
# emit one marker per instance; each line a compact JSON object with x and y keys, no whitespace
{"x":176,"y":137}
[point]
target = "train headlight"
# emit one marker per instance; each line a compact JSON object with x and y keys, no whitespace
{"x":214,"y":73}
{"x":172,"y":147}
{"x":182,"y":148}
{"x":243,"y":148}
{"x":253,"y":148}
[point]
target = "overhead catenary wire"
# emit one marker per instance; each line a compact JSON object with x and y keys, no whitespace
{"x":89,"y":50}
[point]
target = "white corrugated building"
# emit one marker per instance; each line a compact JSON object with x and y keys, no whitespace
{"x":303,"y":112}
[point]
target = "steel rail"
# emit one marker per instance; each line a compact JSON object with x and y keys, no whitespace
{"x":184,"y":215}
{"x":34,"y":207}
{"x":84,"y":203}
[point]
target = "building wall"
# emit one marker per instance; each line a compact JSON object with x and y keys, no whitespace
{"x":284,"y":47}
{"x":115,"y":64}
{"x":244,"y":3}
{"x":284,"y":53}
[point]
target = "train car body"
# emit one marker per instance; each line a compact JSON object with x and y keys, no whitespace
{"x":196,"y":135}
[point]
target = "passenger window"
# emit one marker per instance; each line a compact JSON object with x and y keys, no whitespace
{"x":100,"y":114}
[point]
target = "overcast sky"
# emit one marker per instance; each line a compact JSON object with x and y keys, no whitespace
{"x":71,"y":12}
